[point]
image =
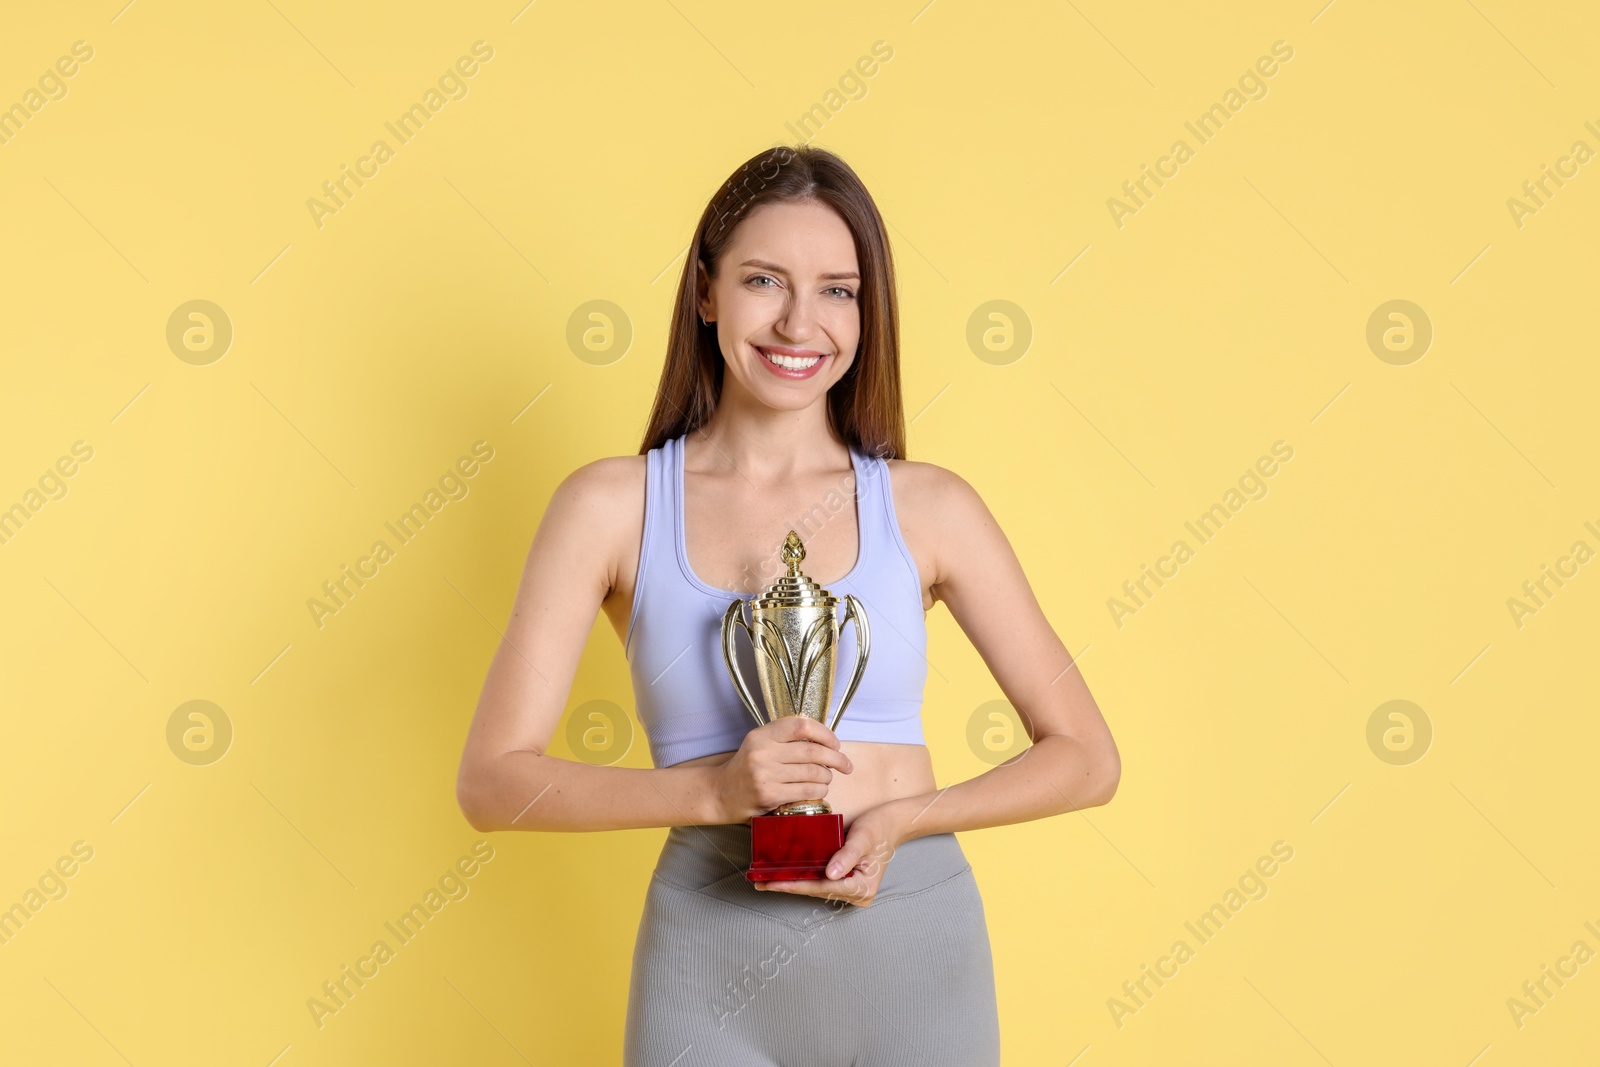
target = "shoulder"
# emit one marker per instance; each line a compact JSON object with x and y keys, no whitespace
{"x":929,"y":490}
{"x":607,"y":476}
{"x":592,"y":514}
{"x":944,"y":519}
{"x":601,"y":492}
{"x":600,"y":503}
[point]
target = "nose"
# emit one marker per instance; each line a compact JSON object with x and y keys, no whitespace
{"x":799,"y":321}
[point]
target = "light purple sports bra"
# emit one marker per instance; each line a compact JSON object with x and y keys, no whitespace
{"x":682,"y":692}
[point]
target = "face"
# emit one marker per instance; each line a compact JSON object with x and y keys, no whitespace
{"x":789,"y":287}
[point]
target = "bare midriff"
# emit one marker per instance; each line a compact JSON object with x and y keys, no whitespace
{"x":883,"y":772}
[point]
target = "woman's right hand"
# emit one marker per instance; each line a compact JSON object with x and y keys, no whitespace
{"x":792,"y":758}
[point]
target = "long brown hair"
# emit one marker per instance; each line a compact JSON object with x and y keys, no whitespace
{"x":864,"y":406}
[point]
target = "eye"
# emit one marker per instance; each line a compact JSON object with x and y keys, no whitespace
{"x":847,"y":294}
{"x":756,"y":277}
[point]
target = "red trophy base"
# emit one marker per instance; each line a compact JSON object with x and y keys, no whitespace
{"x":793,"y":846}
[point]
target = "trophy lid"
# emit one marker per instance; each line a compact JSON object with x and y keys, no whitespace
{"x":795,"y":589}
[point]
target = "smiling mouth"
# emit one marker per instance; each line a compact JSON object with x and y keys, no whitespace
{"x":777,"y":359}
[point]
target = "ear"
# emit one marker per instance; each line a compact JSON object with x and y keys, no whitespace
{"x":705,"y":304}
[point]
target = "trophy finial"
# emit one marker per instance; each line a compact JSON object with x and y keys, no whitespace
{"x":792,"y":587}
{"x":793,"y":551}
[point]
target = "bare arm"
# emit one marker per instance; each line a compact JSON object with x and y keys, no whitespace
{"x":1073,"y":761}
{"x":506,"y":781}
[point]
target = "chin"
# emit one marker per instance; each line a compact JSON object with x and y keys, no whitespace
{"x":788,"y":399}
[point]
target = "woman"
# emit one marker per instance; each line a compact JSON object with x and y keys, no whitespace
{"x":779,"y":402}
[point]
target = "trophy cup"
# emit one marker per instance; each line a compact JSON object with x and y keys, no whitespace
{"x":794,"y":633}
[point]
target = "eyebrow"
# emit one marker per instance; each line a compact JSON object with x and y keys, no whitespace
{"x":838,"y":275}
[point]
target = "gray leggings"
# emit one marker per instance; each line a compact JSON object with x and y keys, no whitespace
{"x":725,"y":975}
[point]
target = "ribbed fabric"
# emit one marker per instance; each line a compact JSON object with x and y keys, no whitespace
{"x":725,"y":975}
{"x":684,"y":698}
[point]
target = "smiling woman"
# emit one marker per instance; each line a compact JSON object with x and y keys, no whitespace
{"x":782,"y":382}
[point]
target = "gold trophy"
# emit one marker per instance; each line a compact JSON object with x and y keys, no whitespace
{"x":795,"y":634}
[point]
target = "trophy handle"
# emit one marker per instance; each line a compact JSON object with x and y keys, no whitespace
{"x":735,"y":613}
{"x":852,"y":610}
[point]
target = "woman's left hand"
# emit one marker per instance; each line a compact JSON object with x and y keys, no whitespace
{"x":856,"y":870}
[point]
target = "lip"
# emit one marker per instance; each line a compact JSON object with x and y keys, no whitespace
{"x":783,"y":372}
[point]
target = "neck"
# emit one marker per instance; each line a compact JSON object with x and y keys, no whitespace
{"x":768,"y":447}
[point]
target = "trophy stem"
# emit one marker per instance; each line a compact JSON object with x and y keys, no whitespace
{"x":804,"y":807}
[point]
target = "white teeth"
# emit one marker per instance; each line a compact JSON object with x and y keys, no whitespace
{"x":790,"y":362}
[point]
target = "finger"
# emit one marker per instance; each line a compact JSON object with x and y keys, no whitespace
{"x":808,"y":729}
{"x":807,"y":793}
{"x":800,"y":751}
{"x":851,"y":890}
{"x":844,"y":861}
{"x":813,"y":887}
{"x":806,"y":774}
{"x":855,"y":882}
{"x":808,"y":770}
{"x":802,"y":886}
{"x":811,"y":752}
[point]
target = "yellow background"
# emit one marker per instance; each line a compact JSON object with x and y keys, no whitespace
{"x":368,"y":354}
